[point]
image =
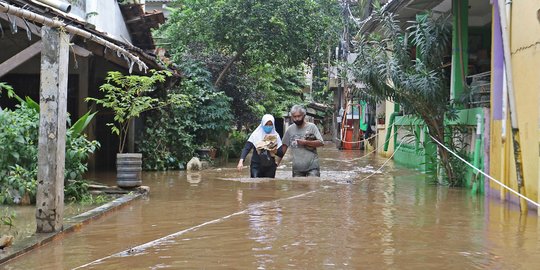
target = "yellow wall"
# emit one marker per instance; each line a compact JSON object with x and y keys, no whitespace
{"x":381,"y":139}
{"x":525,"y":48}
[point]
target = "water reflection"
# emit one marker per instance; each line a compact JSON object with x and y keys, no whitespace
{"x":194,"y":178}
{"x":395,"y":219}
{"x":264,"y":229}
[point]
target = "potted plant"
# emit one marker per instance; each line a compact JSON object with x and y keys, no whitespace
{"x":206,"y":151}
{"x":212,"y":153}
{"x":127,"y":96}
{"x":380,"y":118}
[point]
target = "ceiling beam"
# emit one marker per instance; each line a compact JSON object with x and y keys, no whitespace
{"x":19,"y":58}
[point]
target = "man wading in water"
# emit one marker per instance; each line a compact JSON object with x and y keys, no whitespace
{"x":303,"y":138}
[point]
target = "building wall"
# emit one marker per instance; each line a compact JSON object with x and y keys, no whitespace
{"x":108,"y":18}
{"x":525,"y":50}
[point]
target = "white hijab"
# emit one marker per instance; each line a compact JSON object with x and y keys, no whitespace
{"x":259,"y":134}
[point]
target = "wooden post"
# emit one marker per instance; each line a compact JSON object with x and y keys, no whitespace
{"x":52,"y":130}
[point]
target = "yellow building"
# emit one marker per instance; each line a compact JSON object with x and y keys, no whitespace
{"x":524,"y":36}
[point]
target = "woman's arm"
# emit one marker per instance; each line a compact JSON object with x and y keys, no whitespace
{"x":244,"y":154}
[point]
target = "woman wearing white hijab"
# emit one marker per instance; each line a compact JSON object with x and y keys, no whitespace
{"x":260,"y":165}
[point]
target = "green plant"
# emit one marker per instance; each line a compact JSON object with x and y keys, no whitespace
{"x":416,"y":82}
{"x":237,"y":140}
{"x":168,"y":142}
{"x":252,"y":32}
{"x":75,"y":190}
{"x":18,"y":139}
{"x":5,"y":86}
{"x":7,"y":218}
{"x":172,"y":133}
{"x":78,"y":149}
{"x":127,"y":96}
{"x":90,"y":199}
{"x":24,"y":181}
{"x":18,"y":150}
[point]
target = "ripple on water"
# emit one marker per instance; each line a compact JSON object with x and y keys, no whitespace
{"x":394,"y":219}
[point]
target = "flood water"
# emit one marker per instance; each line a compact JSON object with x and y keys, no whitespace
{"x":219,"y":218}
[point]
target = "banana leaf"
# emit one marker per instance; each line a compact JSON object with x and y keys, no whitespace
{"x":82,"y":123}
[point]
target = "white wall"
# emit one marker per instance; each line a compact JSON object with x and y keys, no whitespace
{"x":108,"y":19}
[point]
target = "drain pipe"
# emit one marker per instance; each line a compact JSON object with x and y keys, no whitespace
{"x":512,"y":103}
{"x":54,"y":23}
{"x":477,"y":153}
{"x":507,"y":7}
{"x":62,"y":6}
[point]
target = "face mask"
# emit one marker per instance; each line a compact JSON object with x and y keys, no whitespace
{"x":267,"y":129}
{"x":299,"y":122}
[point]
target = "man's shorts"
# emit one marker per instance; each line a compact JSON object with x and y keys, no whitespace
{"x":313,"y":172}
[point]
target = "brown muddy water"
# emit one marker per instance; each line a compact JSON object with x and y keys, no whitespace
{"x":218,"y":218}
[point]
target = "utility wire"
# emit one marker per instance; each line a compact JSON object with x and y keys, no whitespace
{"x":487,"y":175}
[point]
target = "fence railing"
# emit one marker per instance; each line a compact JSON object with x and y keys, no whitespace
{"x":479,"y":90}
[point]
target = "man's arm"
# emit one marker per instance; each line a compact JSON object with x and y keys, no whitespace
{"x":316,"y":143}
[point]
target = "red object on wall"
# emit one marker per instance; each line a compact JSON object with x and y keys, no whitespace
{"x":347,"y":144}
{"x":350,"y":142}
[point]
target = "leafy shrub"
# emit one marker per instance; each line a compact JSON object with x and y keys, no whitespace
{"x":78,"y":149}
{"x":75,"y":190}
{"x":167,"y":142}
{"x":173,"y":133}
{"x":237,"y":140}
{"x":19,"y":131}
{"x":128,"y":96}
{"x":18,"y":138}
{"x":7,"y":216}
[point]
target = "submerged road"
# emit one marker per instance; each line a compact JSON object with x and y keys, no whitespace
{"x":218,"y":218}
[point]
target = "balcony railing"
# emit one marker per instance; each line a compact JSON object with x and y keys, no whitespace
{"x":479,"y":90}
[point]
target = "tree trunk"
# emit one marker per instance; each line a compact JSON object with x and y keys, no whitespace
{"x":228,"y":66}
{"x":437,"y":131}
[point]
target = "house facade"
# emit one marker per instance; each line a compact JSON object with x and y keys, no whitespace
{"x":497,"y":113}
{"x":103,"y":36}
{"x":523,"y":18}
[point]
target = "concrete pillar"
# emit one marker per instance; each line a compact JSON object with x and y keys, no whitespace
{"x":52,"y":130}
{"x":460,"y":47}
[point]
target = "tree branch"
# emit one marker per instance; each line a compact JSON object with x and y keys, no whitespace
{"x":228,"y":66}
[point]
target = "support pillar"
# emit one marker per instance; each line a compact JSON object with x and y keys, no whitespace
{"x":460,"y":48}
{"x":52,"y":130}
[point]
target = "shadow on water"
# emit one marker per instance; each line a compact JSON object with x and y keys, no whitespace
{"x":219,"y":218}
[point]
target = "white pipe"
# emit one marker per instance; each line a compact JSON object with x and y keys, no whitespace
{"x":54,"y":23}
{"x":504,"y":106}
{"x":508,"y":7}
{"x":62,"y":6}
{"x":479,"y":126}
{"x":507,"y":63}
